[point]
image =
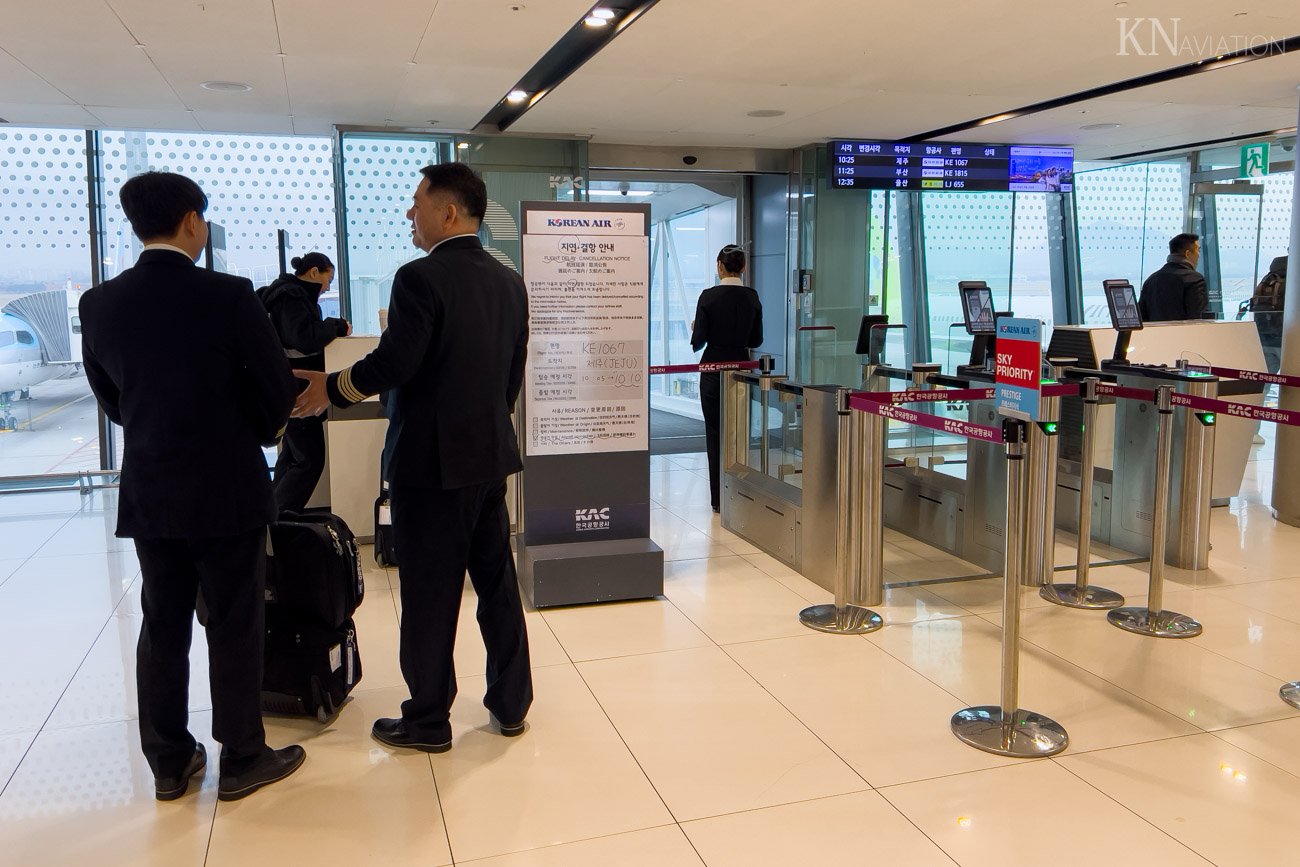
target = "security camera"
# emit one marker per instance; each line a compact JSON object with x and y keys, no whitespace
{"x":690,"y":159}
{"x":623,"y":188}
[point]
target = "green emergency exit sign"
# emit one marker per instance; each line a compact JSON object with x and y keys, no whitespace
{"x":1254,"y":160}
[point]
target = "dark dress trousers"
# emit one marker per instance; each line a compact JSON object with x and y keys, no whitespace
{"x":294,"y":307}
{"x":186,"y":361}
{"x":1175,"y":292}
{"x":728,"y":323}
{"x":452,"y":360}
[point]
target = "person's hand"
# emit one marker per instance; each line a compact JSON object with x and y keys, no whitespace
{"x":347,"y":333}
{"x":314,"y":399}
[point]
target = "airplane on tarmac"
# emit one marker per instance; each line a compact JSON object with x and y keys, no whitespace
{"x":24,"y":360}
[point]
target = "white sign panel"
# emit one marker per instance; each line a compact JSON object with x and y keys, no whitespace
{"x":588,"y":276}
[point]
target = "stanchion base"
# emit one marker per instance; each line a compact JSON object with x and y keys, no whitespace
{"x":1290,"y":693}
{"x":1028,"y":736}
{"x":1166,"y":624}
{"x":849,"y":620}
{"x":1070,"y":596}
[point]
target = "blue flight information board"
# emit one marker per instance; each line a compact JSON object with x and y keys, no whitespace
{"x":948,"y":166}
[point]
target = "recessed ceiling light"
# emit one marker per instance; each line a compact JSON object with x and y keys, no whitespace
{"x":227,"y":86}
{"x":1095,"y":126}
{"x":765,"y":112}
{"x":516,"y":96}
{"x":602,"y":12}
{"x":595,"y":21}
{"x":463,"y":146}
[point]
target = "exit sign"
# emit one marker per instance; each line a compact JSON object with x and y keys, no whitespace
{"x":1254,"y":160}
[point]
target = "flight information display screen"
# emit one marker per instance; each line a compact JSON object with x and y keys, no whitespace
{"x":948,"y":166}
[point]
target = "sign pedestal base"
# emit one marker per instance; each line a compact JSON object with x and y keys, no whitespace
{"x":577,"y":573}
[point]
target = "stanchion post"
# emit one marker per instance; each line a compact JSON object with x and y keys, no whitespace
{"x":1153,"y":621}
{"x":1080,"y":594}
{"x":1290,"y":693}
{"x":1005,"y":729}
{"x":765,"y":380}
{"x":844,"y":617}
{"x":870,"y":487}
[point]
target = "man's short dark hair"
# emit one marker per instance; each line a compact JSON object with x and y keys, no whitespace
{"x":157,"y":202}
{"x":462,"y":183}
{"x":1180,"y":244}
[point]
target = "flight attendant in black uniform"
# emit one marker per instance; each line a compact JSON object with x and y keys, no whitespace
{"x":728,"y":323}
{"x":293,"y":302}
{"x":452,"y":360}
{"x":187,"y":363}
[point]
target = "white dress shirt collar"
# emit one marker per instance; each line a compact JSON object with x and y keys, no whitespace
{"x":452,"y":238}
{"x":731,"y":281}
{"x":148,"y":247}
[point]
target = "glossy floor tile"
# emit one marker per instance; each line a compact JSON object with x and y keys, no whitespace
{"x":569,"y":777}
{"x":705,"y":727}
{"x":709,"y":737}
{"x":1231,"y":807}
{"x":861,"y":829}
{"x":1021,"y":815}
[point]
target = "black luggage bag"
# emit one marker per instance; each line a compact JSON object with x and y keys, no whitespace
{"x":315,"y":568}
{"x":385,"y":550}
{"x":309,"y":669}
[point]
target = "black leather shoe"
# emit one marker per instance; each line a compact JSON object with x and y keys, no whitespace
{"x":394,"y":733}
{"x":511,"y":730}
{"x":272,"y":767}
{"x":171,"y":788}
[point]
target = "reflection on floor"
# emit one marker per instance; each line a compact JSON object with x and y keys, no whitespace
{"x":706,"y":727}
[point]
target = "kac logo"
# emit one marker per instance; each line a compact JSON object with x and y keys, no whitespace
{"x":591,"y":519}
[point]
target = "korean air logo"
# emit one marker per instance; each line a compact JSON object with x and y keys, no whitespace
{"x":591,"y":519}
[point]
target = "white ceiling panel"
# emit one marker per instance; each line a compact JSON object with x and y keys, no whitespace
{"x":112,"y":117}
{"x":20,"y":84}
{"x":32,"y":114}
{"x":82,"y":49}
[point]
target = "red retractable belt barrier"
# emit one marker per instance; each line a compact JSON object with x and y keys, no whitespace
{"x":862,"y":402}
{"x":703,"y":367}
{"x":927,"y":395}
{"x":1248,"y":375}
{"x":1105,"y":389}
{"x":1237,"y":410}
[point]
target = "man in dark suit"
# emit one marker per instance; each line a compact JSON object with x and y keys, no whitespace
{"x":1177,"y":291}
{"x":452,"y":360}
{"x":186,"y":361}
{"x":728,"y":323}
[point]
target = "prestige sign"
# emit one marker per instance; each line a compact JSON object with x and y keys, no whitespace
{"x":1018,"y":371}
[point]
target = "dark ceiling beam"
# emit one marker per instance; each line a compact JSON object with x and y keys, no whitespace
{"x":565,"y":57}
{"x":1199,"y":67}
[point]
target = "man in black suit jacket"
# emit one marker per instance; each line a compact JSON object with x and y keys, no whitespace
{"x":453,"y":360}
{"x":186,"y":361}
{"x":1177,"y":291}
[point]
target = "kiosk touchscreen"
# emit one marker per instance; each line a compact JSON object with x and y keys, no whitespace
{"x":871,"y":337}
{"x":1122,"y":301}
{"x":977,"y":307}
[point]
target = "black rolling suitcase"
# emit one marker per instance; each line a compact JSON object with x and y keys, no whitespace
{"x":315,"y":568}
{"x":309,"y":669}
{"x":314,"y":584}
{"x":385,"y":550}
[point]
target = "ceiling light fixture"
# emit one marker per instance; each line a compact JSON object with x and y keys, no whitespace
{"x":602,"y":12}
{"x":595,"y":21}
{"x":515,"y":97}
{"x":226,"y":86}
{"x":1096,"y":126}
{"x":764,"y":112}
{"x":462,"y":146}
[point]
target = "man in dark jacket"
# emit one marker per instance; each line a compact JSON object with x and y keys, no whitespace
{"x":452,"y":360}
{"x":186,"y":362}
{"x":728,"y":323}
{"x":1177,"y":291}
{"x":293,"y":302}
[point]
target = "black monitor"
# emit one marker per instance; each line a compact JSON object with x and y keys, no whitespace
{"x":871,"y":336}
{"x":1125,"y":316}
{"x":214,"y":252}
{"x":977,"y":307}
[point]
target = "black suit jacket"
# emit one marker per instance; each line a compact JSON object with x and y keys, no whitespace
{"x":453,"y":359}
{"x":1175,"y":292}
{"x":729,"y":319}
{"x":186,"y":361}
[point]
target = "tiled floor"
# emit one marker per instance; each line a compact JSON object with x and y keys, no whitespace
{"x":704,"y":727}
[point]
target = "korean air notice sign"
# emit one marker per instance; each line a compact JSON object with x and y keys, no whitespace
{"x":1019,"y":367}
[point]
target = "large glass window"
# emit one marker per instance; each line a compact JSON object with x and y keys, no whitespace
{"x":379,"y":174}
{"x":45,"y":401}
{"x":1126,"y":216}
